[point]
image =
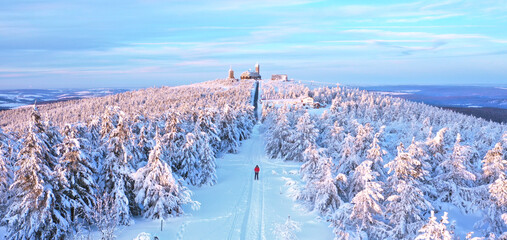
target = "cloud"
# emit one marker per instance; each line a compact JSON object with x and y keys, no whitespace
{"x":420,"y":19}
{"x":422,"y":35}
{"x":201,"y":63}
{"x":257,"y":4}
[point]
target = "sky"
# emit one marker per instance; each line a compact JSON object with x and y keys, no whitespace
{"x":135,"y":44}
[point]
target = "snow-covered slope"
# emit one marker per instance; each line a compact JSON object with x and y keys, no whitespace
{"x":238,"y":207}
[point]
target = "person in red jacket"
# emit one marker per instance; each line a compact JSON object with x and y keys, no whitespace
{"x":257,"y":170}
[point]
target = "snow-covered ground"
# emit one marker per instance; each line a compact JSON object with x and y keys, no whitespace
{"x":238,"y":207}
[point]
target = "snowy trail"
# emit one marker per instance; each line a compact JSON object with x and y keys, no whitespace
{"x":238,"y":207}
{"x":255,"y":209}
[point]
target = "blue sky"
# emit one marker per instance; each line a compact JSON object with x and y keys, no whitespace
{"x":97,"y":43}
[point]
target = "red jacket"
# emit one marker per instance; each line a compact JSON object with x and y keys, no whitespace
{"x":257,"y":169}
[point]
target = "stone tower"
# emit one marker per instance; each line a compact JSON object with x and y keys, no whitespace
{"x":231,"y":73}
{"x":257,"y":68}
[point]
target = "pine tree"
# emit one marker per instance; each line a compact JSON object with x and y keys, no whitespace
{"x":454,"y":175}
{"x":349,"y":157}
{"x":287,"y":231}
{"x":494,"y":163}
{"x":498,"y":191}
{"x":366,"y":203}
{"x":417,"y":151}
{"x":437,"y":148}
{"x":405,"y":209}
{"x":304,"y":136}
{"x":156,"y":189}
{"x":109,"y":121}
{"x":434,"y":230}
{"x":374,"y":154}
{"x":39,"y":207}
{"x":343,"y":225}
{"x":116,"y":174}
{"x":144,"y":144}
{"x":320,"y":190}
{"x":207,"y":123}
{"x":406,"y":202}
{"x":5,"y":172}
{"x":207,"y":175}
{"x":334,"y":141}
{"x":174,"y":140}
{"x":189,"y":167}
{"x":495,"y":207}
{"x":404,"y":166}
{"x":76,"y":166}
{"x":278,"y":143}
{"x":229,"y":133}
{"x":363,"y":139}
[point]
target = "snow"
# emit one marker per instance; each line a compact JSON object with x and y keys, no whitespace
{"x":238,"y":207}
{"x":318,"y":111}
{"x":464,"y":222}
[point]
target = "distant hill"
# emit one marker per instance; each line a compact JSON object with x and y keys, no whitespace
{"x":489,"y":103}
{"x":14,"y":98}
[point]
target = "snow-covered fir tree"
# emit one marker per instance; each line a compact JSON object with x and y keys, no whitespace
{"x":305,"y":135}
{"x":434,"y":230}
{"x":39,"y":209}
{"x":334,"y":141}
{"x":278,"y":137}
{"x":207,"y":174}
{"x":406,"y":203}
{"x":287,"y":231}
{"x":321,"y":191}
{"x":343,"y":225}
{"x":5,"y":172}
{"x":207,"y":123}
{"x":229,"y":133}
{"x":494,"y":163}
{"x":144,"y":144}
{"x":109,"y":120}
{"x":349,"y":158}
{"x":454,"y":175}
{"x":116,"y":180}
{"x":364,"y":138}
{"x":404,"y":166}
{"x":174,"y":140}
{"x":495,"y":208}
{"x":76,"y":166}
{"x":375,"y":155}
{"x":366,"y":203}
{"x":160,"y":194}
{"x":437,"y":149}
{"x":189,"y":167}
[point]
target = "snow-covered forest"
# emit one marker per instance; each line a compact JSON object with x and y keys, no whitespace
{"x":372,"y":166}
{"x":99,"y":162}
{"x":378,"y":167}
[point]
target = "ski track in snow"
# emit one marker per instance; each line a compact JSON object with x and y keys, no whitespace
{"x":238,"y":207}
{"x":254,"y":215}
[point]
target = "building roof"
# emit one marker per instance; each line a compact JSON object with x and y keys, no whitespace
{"x":250,"y":73}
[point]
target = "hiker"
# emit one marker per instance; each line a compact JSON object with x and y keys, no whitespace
{"x":257,"y":170}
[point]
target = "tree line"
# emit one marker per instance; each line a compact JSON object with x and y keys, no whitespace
{"x":102,"y":171}
{"x":378,"y":167}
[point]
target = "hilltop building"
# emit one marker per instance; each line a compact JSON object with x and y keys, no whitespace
{"x":252,"y":74}
{"x":231,"y":75}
